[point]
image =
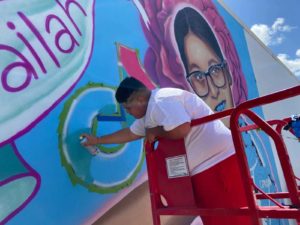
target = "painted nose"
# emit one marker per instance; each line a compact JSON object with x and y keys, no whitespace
{"x":213,"y":90}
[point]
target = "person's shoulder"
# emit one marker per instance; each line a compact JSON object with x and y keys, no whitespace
{"x":171,"y":91}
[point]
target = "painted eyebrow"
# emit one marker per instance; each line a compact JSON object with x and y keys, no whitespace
{"x":213,"y":61}
{"x":193,"y":65}
{"x":210,"y":62}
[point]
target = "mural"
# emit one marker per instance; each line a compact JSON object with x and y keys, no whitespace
{"x":61,"y":61}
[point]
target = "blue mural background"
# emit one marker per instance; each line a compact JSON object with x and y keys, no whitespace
{"x":59,"y":201}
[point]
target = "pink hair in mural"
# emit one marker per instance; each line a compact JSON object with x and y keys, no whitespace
{"x":162,"y":60}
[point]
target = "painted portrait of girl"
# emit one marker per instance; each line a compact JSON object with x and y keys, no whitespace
{"x":177,"y":28}
{"x":205,"y":67}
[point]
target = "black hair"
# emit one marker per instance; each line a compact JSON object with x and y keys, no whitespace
{"x":128,"y":86}
{"x":189,"y":20}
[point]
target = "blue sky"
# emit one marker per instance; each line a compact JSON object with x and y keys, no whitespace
{"x":276,"y":23}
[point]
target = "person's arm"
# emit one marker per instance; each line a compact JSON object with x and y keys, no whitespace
{"x":178,"y":132}
{"x":118,"y":137}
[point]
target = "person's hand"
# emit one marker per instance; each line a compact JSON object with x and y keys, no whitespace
{"x":153,"y":133}
{"x":90,"y":139}
{"x":150,"y":137}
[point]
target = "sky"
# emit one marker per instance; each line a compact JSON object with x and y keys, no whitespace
{"x":276,"y":23}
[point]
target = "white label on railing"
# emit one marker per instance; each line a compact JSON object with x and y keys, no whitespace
{"x":177,"y":166}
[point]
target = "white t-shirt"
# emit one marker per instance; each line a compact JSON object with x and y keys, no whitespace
{"x":206,"y":144}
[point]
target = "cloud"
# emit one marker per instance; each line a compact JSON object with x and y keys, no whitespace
{"x":272,"y":35}
{"x":275,"y":35}
{"x":292,"y":64}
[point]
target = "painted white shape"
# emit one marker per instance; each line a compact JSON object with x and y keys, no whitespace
{"x":58,"y":54}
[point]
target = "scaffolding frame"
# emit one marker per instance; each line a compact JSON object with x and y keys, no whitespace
{"x":175,"y":196}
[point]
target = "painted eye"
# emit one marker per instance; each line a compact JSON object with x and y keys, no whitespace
{"x":215,"y":70}
{"x":199,"y":76}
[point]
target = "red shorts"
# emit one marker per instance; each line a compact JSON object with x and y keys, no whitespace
{"x":221,"y":186}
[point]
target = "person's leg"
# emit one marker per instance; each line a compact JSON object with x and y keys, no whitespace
{"x":221,"y":186}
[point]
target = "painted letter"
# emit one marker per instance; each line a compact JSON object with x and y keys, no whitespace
{"x":12,"y":26}
{"x":39,"y":37}
{"x":25,"y":64}
{"x":67,"y":9}
{"x":63,"y":31}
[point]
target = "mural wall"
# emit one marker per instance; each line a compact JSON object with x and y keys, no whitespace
{"x":61,"y":61}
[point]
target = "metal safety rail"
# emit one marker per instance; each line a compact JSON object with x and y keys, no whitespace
{"x":174,"y":196}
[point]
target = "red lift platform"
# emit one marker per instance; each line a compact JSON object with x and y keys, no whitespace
{"x":174,"y":196}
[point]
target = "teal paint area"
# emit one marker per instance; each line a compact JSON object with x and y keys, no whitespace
{"x":14,"y":194}
{"x":18,"y":183}
{"x":10,"y":163}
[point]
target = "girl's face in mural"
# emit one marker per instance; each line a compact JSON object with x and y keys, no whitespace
{"x":207,"y":74}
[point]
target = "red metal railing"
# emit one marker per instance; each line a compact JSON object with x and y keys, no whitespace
{"x":160,"y":185}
